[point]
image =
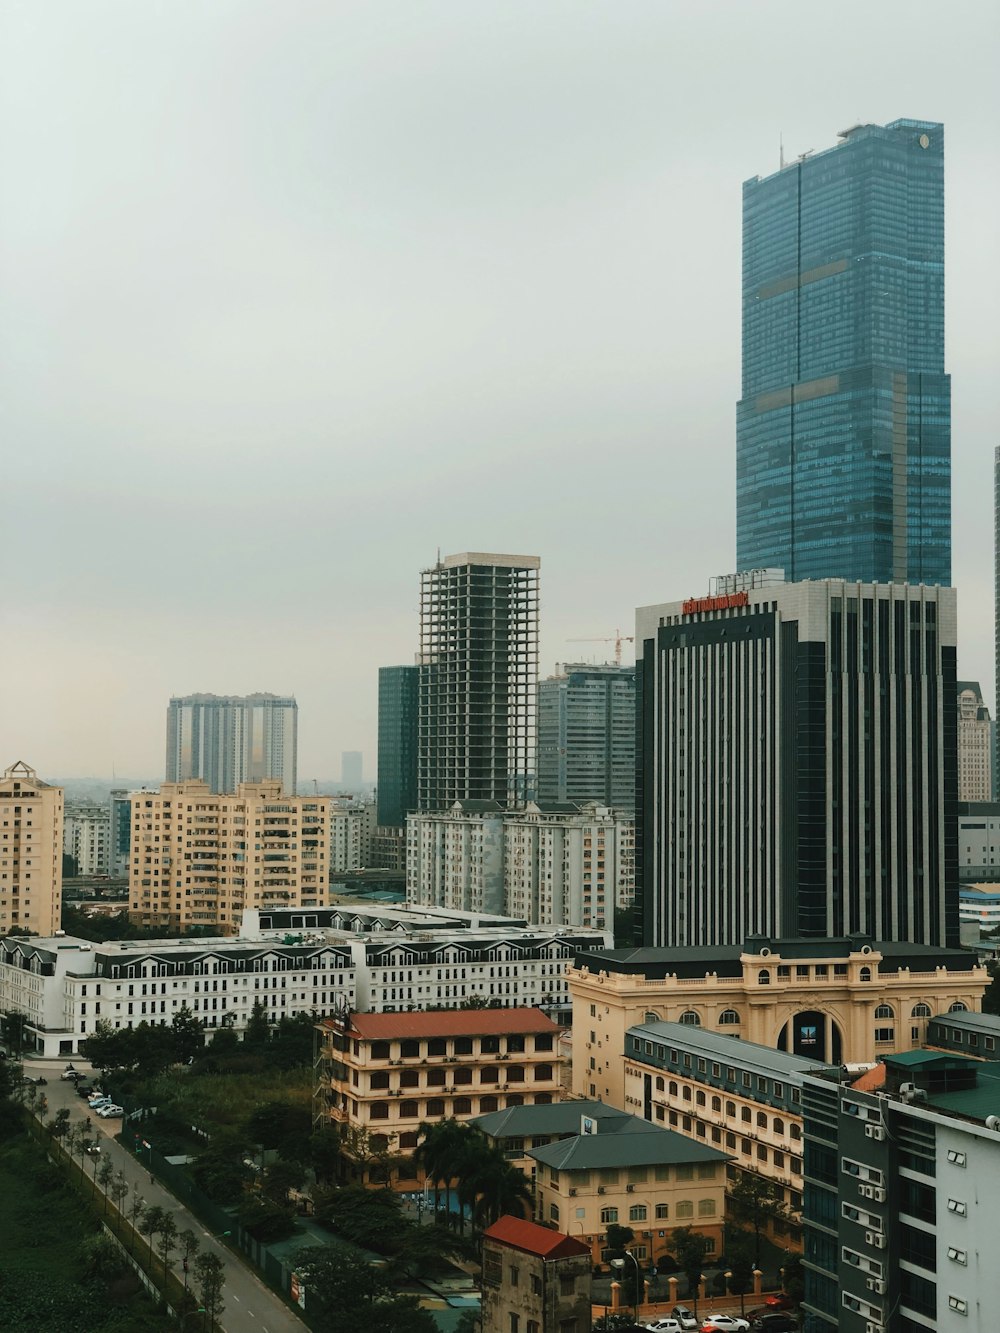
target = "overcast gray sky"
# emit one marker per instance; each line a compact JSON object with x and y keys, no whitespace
{"x":294,"y":294}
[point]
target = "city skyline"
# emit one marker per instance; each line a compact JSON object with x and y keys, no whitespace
{"x":361,"y":344}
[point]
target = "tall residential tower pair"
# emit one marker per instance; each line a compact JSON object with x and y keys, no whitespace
{"x":227,"y":740}
{"x":799,"y":729}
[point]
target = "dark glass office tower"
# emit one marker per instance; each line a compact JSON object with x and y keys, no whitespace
{"x":843,"y":455}
{"x":398,"y":697}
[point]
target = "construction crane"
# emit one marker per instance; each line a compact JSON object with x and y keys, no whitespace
{"x":618,"y":640}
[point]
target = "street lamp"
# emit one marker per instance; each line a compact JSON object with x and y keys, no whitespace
{"x":620,"y":1265}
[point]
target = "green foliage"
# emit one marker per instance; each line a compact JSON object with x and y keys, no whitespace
{"x":101,"y":1259}
{"x":344,"y":1293}
{"x":258,"y":1030}
{"x":188,"y":1034}
{"x":209,"y":1272}
{"x":991,"y":996}
{"x":755,"y":1203}
{"x":691,"y":1248}
{"x":279,"y":1179}
{"x":794,"y":1279}
{"x":280,"y":1124}
{"x":220,"y":1169}
{"x":487,"y":1184}
{"x":264,"y":1218}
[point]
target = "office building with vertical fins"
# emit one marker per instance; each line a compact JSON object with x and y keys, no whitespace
{"x":478,"y":679}
{"x":844,"y":424}
{"x":799,"y":763}
{"x":586,"y":736}
{"x":227,"y":740}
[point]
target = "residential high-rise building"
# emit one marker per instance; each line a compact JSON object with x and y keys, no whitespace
{"x":199,"y":858}
{"x":844,"y":425}
{"x":31,"y":813}
{"x":975,"y":744}
{"x":351,"y":768}
{"x":799,"y":764}
{"x":398,"y":702}
{"x":996,"y":612}
{"x":352,"y":830}
{"x":226,"y":740}
{"x":478,"y":677}
{"x":87,"y":837}
{"x":586,"y":735}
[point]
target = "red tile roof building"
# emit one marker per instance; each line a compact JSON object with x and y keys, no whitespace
{"x":535,"y":1280}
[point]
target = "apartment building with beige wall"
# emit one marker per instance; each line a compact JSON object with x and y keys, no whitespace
{"x":384,"y":1074}
{"x":836,"y":1001}
{"x":31,"y":838}
{"x":199,"y":858}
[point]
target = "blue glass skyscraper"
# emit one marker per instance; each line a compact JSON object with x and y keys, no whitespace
{"x":844,"y":427}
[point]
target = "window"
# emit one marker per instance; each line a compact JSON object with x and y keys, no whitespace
{"x":728,"y":1018}
{"x":763,"y":977}
{"x":885,"y":1034}
{"x":553,"y":1212}
{"x":920,"y":1011}
{"x":515,"y":1276}
{"x":684,"y":1171}
{"x":690,"y":1018}
{"x":864,"y":975}
{"x":779,"y":1126}
{"x":885,"y":1011}
{"x":685,"y":1209}
{"x":958,"y":1008}
{"x":608,"y":1215}
{"x":637,"y":1213}
{"x":662,"y":1211}
{"x":761,"y":1120}
{"x":706,"y":1207}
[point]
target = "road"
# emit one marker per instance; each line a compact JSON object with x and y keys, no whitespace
{"x":250,"y":1305}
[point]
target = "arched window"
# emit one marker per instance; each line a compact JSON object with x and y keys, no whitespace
{"x":673,"y":1088}
{"x":487,"y":1104}
{"x":515,"y":1099}
{"x":687,"y":1093}
{"x":795,"y":1130}
{"x":779,"y":1126}
{"x":885,"y":1011}
{"x":706,"y":1207}
{"x":763,"y":977}
{"x":651,"y":1017}
{"x":958,"y":1008}
{"x":462,"y":1106}
{"x":435,"y":1108}
{"x":920,"y":1011}
{"x":716,"y":1103}
{"x":728,"y":1018}
{"x":699,"y":1099}
{"x":746,"y":1114}
{"x":865,"y":974}
{"x":684,"y":1209}
{"x":690,"y":1018}
{"x":730,"y":1108}
{"x":659,"y":1083}
{"x":761,"y":1120}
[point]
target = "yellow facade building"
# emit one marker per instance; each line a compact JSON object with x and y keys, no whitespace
{"x":31,"y":844}
{"x":199,"y":859}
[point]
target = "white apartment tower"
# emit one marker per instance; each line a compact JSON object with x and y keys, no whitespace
{"x":478,"y":677}
{"x":226,"y":740}
{"x":199,"y":858}
{"x":31,"y":837}
{"x":586,"y":735}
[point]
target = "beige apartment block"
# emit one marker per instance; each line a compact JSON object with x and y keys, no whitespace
{"x":199,"y":859}
{"x":383,"y":1074}
{"x":836,"y":1001}
{"x":31,"y":837}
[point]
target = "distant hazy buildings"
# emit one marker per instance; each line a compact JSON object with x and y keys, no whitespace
{"x":398,"y":731}
{"x":200,"y":858}
{"x":120,"y":832}
{"x":586,"y":735}
{"x":975,"y":744}
{"x":31,"y":846}
{"x":800,"y":764}
{"x":844,"y":425}
{"x":351,"y":768}
{"x":550,"y":867}
{"x":478,"y":678}
{"x":226,"y":740}
{"x":87,"y":838}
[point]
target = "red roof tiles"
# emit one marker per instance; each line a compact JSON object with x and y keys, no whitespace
{"x":451,"y":1023}
{"x":533,"y":1239}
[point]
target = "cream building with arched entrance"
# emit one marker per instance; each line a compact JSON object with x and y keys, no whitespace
{"x":837,"y":1001}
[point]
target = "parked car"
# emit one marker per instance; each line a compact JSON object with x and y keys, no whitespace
{"x":94,"y":1150}
{"x":665,"y":1325}
{"x":779,"y":1301}
{"x":70,"y":1073}
{"x":37,"y":1082}
{"x":84,"y":1090}
{"x":110,"y":1111}
{"x":684,"y":1317}
{"x":777,"y":1321}
{"x":99,"y":1103}
{"x":725,"y":1323}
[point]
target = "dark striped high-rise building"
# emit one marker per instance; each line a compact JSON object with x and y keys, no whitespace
{"x":398,"y":698}
{"x":799,"y":763}
{"x":478,"y":679}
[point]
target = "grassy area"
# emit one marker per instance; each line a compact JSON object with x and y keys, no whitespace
{"x":46,"y":1230}
{"x":225,"y":1100}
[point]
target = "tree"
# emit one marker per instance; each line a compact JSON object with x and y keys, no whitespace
{"x":209,"y":1272}
{"x":756,"y":1203}
{"x":188,"y":1034}
{"x":59,"y":1127}
{"x":189,"y":1246}
{"x":280,"y":1178}
{"x":137,"y":1208}
{"x":120,"y":1191}
{"x":168,"y":1239}
{"x":991,"y":996}
{"x":324,"y":1153}
{"x":258,"y":1031}
{"x":618,"y":1238}
{"x":740,"y":1256}
{"x":344,"y":1293}
{"x":794,"y":1281}
{"x":221,"y":1170}
{"x":265,"y":1219}
{"x":105,"y":1176}
{"x":14,"y":1025}
{"x":690,"y":1248}
{"x":282,"y":1125}
{"x":152,"y":1221}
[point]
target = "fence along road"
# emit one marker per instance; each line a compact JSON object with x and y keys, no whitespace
{"x":249,"y":1303}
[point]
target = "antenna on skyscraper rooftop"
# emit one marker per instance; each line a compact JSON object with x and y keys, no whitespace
{"x":781,"y":151}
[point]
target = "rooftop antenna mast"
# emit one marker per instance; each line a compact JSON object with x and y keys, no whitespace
{"x":781,"y":151}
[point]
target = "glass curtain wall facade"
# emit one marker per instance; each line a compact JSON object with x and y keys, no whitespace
{"x":844,"y":426}
{"x":398,"y":698}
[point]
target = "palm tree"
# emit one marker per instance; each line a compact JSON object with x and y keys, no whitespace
{"x":502,"y":1188}
{"x":439,"y":1152}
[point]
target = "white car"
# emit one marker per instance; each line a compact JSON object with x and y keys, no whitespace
{"x":95,"y":1103}
{"x":111,"y":1111}
{"x":665,"y":1325}
{"x":726,"y":1323}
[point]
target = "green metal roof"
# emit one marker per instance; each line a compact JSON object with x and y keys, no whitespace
{"x":973,"y":1103}
{"x":922,"y":1059}
{"x":556,"y":1118}
{"x":637,"y":1144}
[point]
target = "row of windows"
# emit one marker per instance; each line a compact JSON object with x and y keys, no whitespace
{"x":684,"y":1210}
